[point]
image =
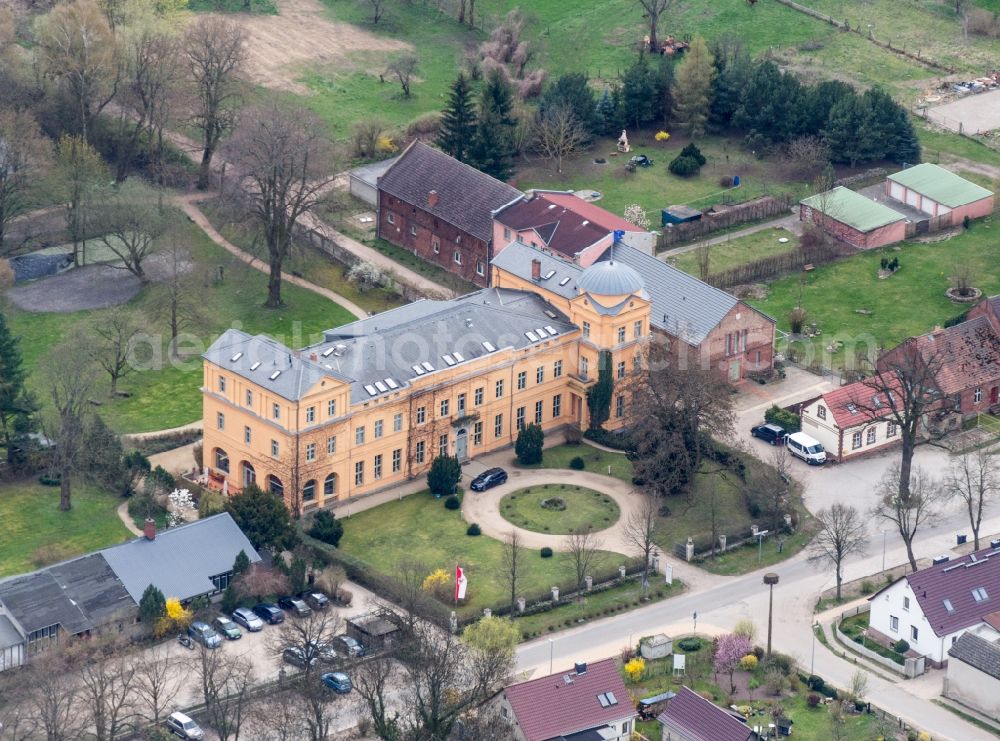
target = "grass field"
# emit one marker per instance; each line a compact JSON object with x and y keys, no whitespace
{"x":583,"y":508}
{"x":31,"y":520}
{"x":909,"y":303}
{"x":738,"y":251}
{"x":262,"y":7}
{"x":594,"y":459}
{"x":169,"y":396}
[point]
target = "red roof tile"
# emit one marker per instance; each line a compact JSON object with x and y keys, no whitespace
{"x":700,"y":720}
{"x":589,"y":211}
{"x":969,"y":354}
{"x":551,"y":706}
{"x":855,"y":404}
{"x":561,"y":229}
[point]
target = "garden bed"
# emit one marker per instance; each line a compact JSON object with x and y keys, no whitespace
{"x":559,"y":509}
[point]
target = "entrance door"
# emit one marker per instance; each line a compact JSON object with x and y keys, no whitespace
{"x":462,"y":445}
{"x":994,"y":393}
{"x":734,"y":370}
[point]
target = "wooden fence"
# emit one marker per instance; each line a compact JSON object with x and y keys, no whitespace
{"x":723,"y":217}
{"x":767,"y":268}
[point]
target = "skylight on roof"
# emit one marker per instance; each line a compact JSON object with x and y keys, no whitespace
{"x":427,"y":366}
{"x":541,"y":333}
{"x":236,"y":357}
{"x":418,"y":370}
{"x":602,"y":698}
{"x":255,"y":366}
{"x":948,"y":606}
{"x":448,"y":359}
{"x":852,"y":408}
{"x":381,"y":386}
{"x":551,"y":330}
{"x":458,"y":357}
{"x":371,"y":390}
{"x":274,"y":375}
{"x":548,"y":275}
{"x":611,"y":698}
{"x":391,"y":383}
{"x":531,"y":336}
{"x":488,"y":346}
{"x":328,"y":352}
{"x":564,"y":281}
{"x":979,"y":594}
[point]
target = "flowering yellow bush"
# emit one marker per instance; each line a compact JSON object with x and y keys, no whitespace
{"x":748,"y":663}
{"x":661,"y":136}
{"x":923,"y":736}
{"x":178,"y":618}
{"x":635,"y":669}
{"x":385,"y":145}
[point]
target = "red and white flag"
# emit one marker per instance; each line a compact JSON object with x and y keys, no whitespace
{"x":460,"y":583}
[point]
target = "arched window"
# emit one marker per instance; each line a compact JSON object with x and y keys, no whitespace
{"x":275,"y":486}
{"x":309,"y":491}
{"x":330,"y":485}
{"x":221,"y":460}
{"x":249,"y":475}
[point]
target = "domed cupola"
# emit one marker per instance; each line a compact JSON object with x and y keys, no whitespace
{"x":610,"y":282}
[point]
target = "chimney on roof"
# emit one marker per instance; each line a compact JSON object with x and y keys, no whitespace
{"x":313,"y":356}
{"x":432,"y":198}
{"x":149,"y":529}
{"x":938,"y":329}
{"x":580,"y":667}
{"x":536,"y":269}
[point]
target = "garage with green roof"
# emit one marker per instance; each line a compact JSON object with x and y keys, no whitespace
{"x":938,"y":192}
{"x":853,"y":218}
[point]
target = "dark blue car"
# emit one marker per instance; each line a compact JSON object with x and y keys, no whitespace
{"x":270,"y":613}
{"x":338,"y":682}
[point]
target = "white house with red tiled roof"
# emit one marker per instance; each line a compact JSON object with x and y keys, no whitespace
{"x":931,"y":608}
{"x":850,"y":421}
{"x":589,"y":703}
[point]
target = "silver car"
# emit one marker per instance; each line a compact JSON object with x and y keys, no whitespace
{"x":183,"y":726}
{"x":248,"y":619}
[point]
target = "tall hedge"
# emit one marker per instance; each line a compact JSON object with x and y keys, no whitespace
{"x":599,"y":395}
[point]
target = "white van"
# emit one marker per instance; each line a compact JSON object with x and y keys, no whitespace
{"x":807,"y":448}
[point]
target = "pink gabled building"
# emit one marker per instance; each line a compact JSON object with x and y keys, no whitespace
{"x":936,"y":191}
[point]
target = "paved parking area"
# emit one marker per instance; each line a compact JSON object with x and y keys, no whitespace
{"x":970,"y":115}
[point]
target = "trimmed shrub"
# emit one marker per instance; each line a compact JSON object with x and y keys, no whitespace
{"x":473,"y":529}
{"x":788,"y":421}
{"x":815,"y":682}
{"x":684,"y":166}
{"x":47,"y":479}
{"x":901,"y":646}
{"x":577,"y":463}
{"x":452,"y":502}
{"x":444,"y":475}
{"x":867,"y":587}
{"x":689,"y":645}
{"x":529,"y":445}
{"x":327,"y":528}
{"x":546,"y":552}
{"x":812,"y":700}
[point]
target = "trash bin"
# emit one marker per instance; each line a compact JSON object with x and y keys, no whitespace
{"x":961,"y":539}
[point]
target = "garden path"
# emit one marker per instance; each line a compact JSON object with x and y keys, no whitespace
{"x":126,"y":518}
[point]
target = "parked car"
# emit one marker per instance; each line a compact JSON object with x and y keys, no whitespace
{"x":245,"y":616}
{"x":640,"y":160}
{"x":338,"y":682}
{"x":769,"y":433}
{"x":322,"y":651}
{"x":295,"y":606}
{"x":294,"y":655}
{"x":316,"y":600}
{"x":203,"y":633}
{"x":183,"y":726}
{"x":269,"y":613}
{"x":350,"y":646}
{"x":227,"y":627}
{"x":488,"y":479}
{"x":807,"y":448}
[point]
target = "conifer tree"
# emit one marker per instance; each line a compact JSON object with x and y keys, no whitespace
{"x":458,"y":121}
{"x":693,"y":88}
{"x":493,"y":145}
{"x":16,"y":403}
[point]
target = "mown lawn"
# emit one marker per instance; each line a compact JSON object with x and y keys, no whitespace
{"x":30,"y":520}
{"x":581,"y":508}
{"x":738,"y":251}
{"x":594,"y":460}
{"x":168,"y":394}
{"x":910,"y":302}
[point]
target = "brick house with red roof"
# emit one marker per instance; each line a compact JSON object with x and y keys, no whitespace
{"x":932,"y":607}
{"x":850,"y":421}
{"x":589,"y":703}
{"x":690,"y":717}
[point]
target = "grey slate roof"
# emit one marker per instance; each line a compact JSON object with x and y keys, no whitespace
{"x":370,"y":173}
{"x":466,"y":196}
{"x":180,"y":561}
{"x":386,"y":346}
{"x":516,"y":258}
{"x":9,"y":635}
{"x":75,"y":594}
{"x":977,"y":652}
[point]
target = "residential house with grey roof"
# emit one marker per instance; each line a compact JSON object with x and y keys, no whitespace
{"x":974,"y":674}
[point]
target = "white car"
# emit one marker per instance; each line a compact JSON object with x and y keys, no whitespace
{"x":183,"y":726}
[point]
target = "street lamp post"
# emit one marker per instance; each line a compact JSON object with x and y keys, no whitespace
{"x":770,"y":579}
{"x":552,"y":645}
{"x":883,"y":549}
{"x":812,"y":661}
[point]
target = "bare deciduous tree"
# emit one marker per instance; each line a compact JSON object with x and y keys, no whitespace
{"x":81,"y":171}
{"x":510,"y":565}
{"x":225,"y":680}
{"x":54,"y":696}
{"x":180,"y":301}
{"x":130,"y":222}
{"x":107,"y":677}
{"x":372,"y":681}
{"x":377,"y":7}
{"x":558,"y":133}
{"x":403,"y":67}
{"x":639,"y":531}
{"x":973,"y":478}
{"x":842,"y":534}
{"x":67,"y":416}
{"x":284,"y":163}
{"x":584,"y":554}
{"x":215,"y":52}
{"x":907,"y":505}
{"x":653,"y":9}
{"x":110,"y":341}
{"x":156,"y":683}
{"x":24,"y":157}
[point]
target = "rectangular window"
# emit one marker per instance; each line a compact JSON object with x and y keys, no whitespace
{"x":522,"y":380}
{"x":310,"y":451}
{"x":619,"y":406}
{"x":413,"y":231}
{"x":458,"y":257}
{"x":276,"y":411}
{"x":584,"y":367}
{"x":445,"y":407}
{"x":519,"y":419}
{"x":906,"y":603}
{"x":419,"y":451}
{"x":390,"y":217}
{"x":247,"y":435}
{"x":637,"y":329}
{"x":377,"y":467}
{"x":557,"y":369}
{"x":460,"y":404}
{"x":540,"y":374}
{"x":498,"y":426}
{"x":477,"y":433}
{"x":359,"y":435}
{"x":977,"y":395}
{"x":620,"y":372}
{"x":480,"y":268}
{"x":331,"y":445}
{"x":421,"y":415}
{"x":729,"y":343}
{"x":871,"y":436}
{"x":499,"y":389}
{"x":359,"y":473}
{"x":443,"y":444}
{"x":220,"y":420}
{"x":222,"y":384}
{"x":821,"y":411}
{"x":249,"y":398}
{"x":890,"y":429}
{"x":378,"y":429}
{"x":538,"y":412}
{"x":274,"y":449}
{"x":506,"y":233}
{"x":586,"y":329}
{"x":556,"y":406}
{"x":436,"y":246}
{"x":894,"y":623}
{"x":310,"y":415}
{"x":478,"y":396}
{"x":397,"y":423}
{"x":331,"y":408}
{"x":855,"y":441}
{"x":397,"y":460}
{"x":914,"y":633}
{"x":621,"y":335}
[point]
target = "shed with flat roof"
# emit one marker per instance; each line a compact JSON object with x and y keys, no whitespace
{"x":854,"y":219}
{"x":936,"y":191}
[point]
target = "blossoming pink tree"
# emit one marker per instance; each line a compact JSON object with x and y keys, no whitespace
{"x":729,"y":649}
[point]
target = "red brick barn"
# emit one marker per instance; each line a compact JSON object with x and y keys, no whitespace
{"x":854,"y":219}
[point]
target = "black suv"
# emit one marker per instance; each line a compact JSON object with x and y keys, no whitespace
{"x":488,"y":479}
{"x":269,"y":614}
{"x":769,"y":433}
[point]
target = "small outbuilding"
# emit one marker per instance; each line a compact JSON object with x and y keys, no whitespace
{"x":938,"y":192}
{"x":679,"y":215}
{"x":373,"y":632}
{"x":363,"y":180}
{"x":656,"y":647}
{"x":974,"y":674}
{"x":854,"y":219}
